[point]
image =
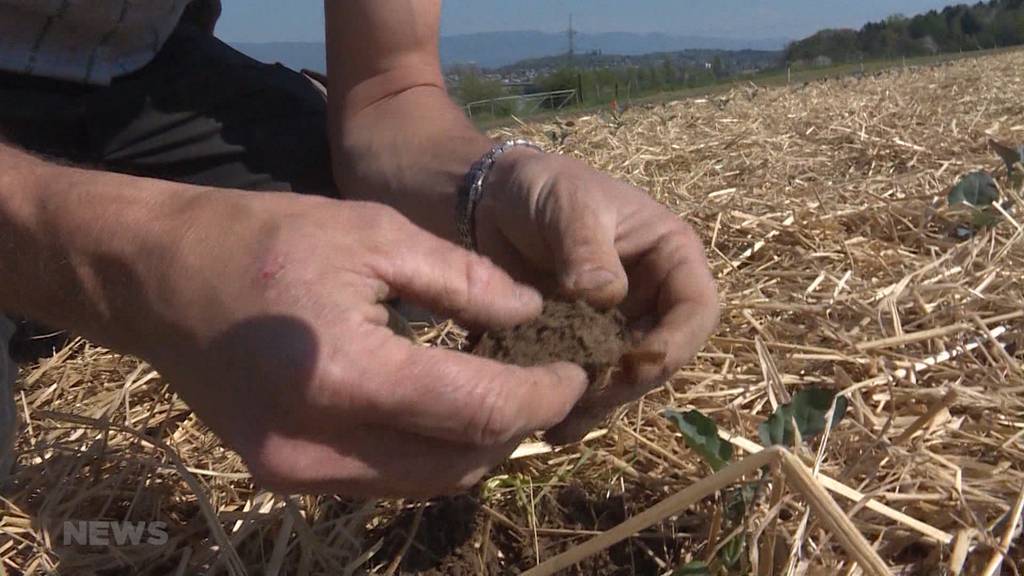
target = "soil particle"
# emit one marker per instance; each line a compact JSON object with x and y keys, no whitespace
{"x":565,"y":331}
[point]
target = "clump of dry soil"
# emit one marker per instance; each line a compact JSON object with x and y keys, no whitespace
{"x":565,"y":331}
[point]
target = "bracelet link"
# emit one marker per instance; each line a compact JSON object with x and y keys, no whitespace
{"x":472,"y":190}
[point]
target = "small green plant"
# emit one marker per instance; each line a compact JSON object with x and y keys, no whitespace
{"x":978,"y":193}
{"x":1013,"y":156}
{"x":977,"y":189}
{"x":805,"y":414}
{"x":701,"y":435}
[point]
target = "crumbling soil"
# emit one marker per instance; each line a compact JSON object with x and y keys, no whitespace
{"x":565,"y":331}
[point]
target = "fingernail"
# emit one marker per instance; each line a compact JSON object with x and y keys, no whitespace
{"x":529,"y":297}
{"x":593,"y":279}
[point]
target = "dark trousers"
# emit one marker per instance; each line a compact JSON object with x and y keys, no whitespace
{"x":200,"y":113}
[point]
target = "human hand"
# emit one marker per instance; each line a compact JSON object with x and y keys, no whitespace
{"x":547,"y":219}
{"x":558,"y":224}
{"x":267,"y":316}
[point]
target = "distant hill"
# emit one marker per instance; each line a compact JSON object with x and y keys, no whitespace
{"x":496,"y":49}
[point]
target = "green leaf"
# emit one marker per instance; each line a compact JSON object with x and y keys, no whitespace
{"x":810,"y":406}
{"x":737,"y":500}
{"x":976,"y":189}
{"x":808,"y":410}
{"x":985,"y":218}
{"x":732,"y":552}
{"x":701,"y":435}
{"x":695,"y":568}
{"x":777,"y":430}
{"x":1011,"y":154}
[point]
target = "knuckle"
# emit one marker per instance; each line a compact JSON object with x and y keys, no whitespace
{"x":480,"y":275}
{"x":477,"y":277}
{"x":328,"y":391}
{"x":682,"y":242}
{"x":323,"y":379}
{"x":681,"y":232}
{"x":271,"y":471}
{"x":491,"y":422}
{"x":374,"y":213}
{"x":687,"y":232}
{"x":566,"y":194}
{"x":384,"y":225}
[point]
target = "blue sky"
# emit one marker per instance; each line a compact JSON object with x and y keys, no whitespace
{"x":302,"y":20}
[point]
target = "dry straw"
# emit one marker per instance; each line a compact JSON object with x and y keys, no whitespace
{"x":822,"y":207}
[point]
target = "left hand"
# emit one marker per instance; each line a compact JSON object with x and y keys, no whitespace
{"x":550,"y":221}
{"x":564,"y":227}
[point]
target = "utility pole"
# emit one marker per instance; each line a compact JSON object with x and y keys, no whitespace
{"x":572,"y":42}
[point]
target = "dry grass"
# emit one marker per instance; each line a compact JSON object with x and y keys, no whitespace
{"x":822,"y":207}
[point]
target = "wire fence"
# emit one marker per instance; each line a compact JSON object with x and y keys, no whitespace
{"x":523,"y":104}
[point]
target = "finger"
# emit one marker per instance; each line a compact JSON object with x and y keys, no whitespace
{"x":462,"y":398}
{"x":582,"y":240}
{"x":509,"y":257}
{"x":577,"y":425}
{"x":449,"y":280}
{"x":595,"y":410}
{"x":375,"y":462}
{"x":684,"y":313}
{"x":688,"y":312}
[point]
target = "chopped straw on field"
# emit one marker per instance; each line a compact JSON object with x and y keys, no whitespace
{"x":823,"y":209}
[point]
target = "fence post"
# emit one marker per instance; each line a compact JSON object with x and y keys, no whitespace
{"x":789,"y":74}
{"x":579,"y":87}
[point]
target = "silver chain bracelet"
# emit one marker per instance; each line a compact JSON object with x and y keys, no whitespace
{"x":473,"y":190}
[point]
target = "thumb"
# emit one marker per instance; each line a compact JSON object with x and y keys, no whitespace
{"x":583,"y":244}
{"x":447,"y":279}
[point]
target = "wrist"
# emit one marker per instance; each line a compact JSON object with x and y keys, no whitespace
{"x":479,"y":182}
{"x":507,"y":172}
{"x":78,"y":244}
{"x":411,"y":152}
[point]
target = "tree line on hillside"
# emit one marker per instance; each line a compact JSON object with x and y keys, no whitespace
{"x":957,"y":28}
{"x":593,"y":86}
{"x":603,"y":82}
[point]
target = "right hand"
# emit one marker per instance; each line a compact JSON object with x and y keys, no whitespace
{"x":266,"y":314}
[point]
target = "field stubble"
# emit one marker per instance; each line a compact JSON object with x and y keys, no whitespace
{"x":823,"y":210}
